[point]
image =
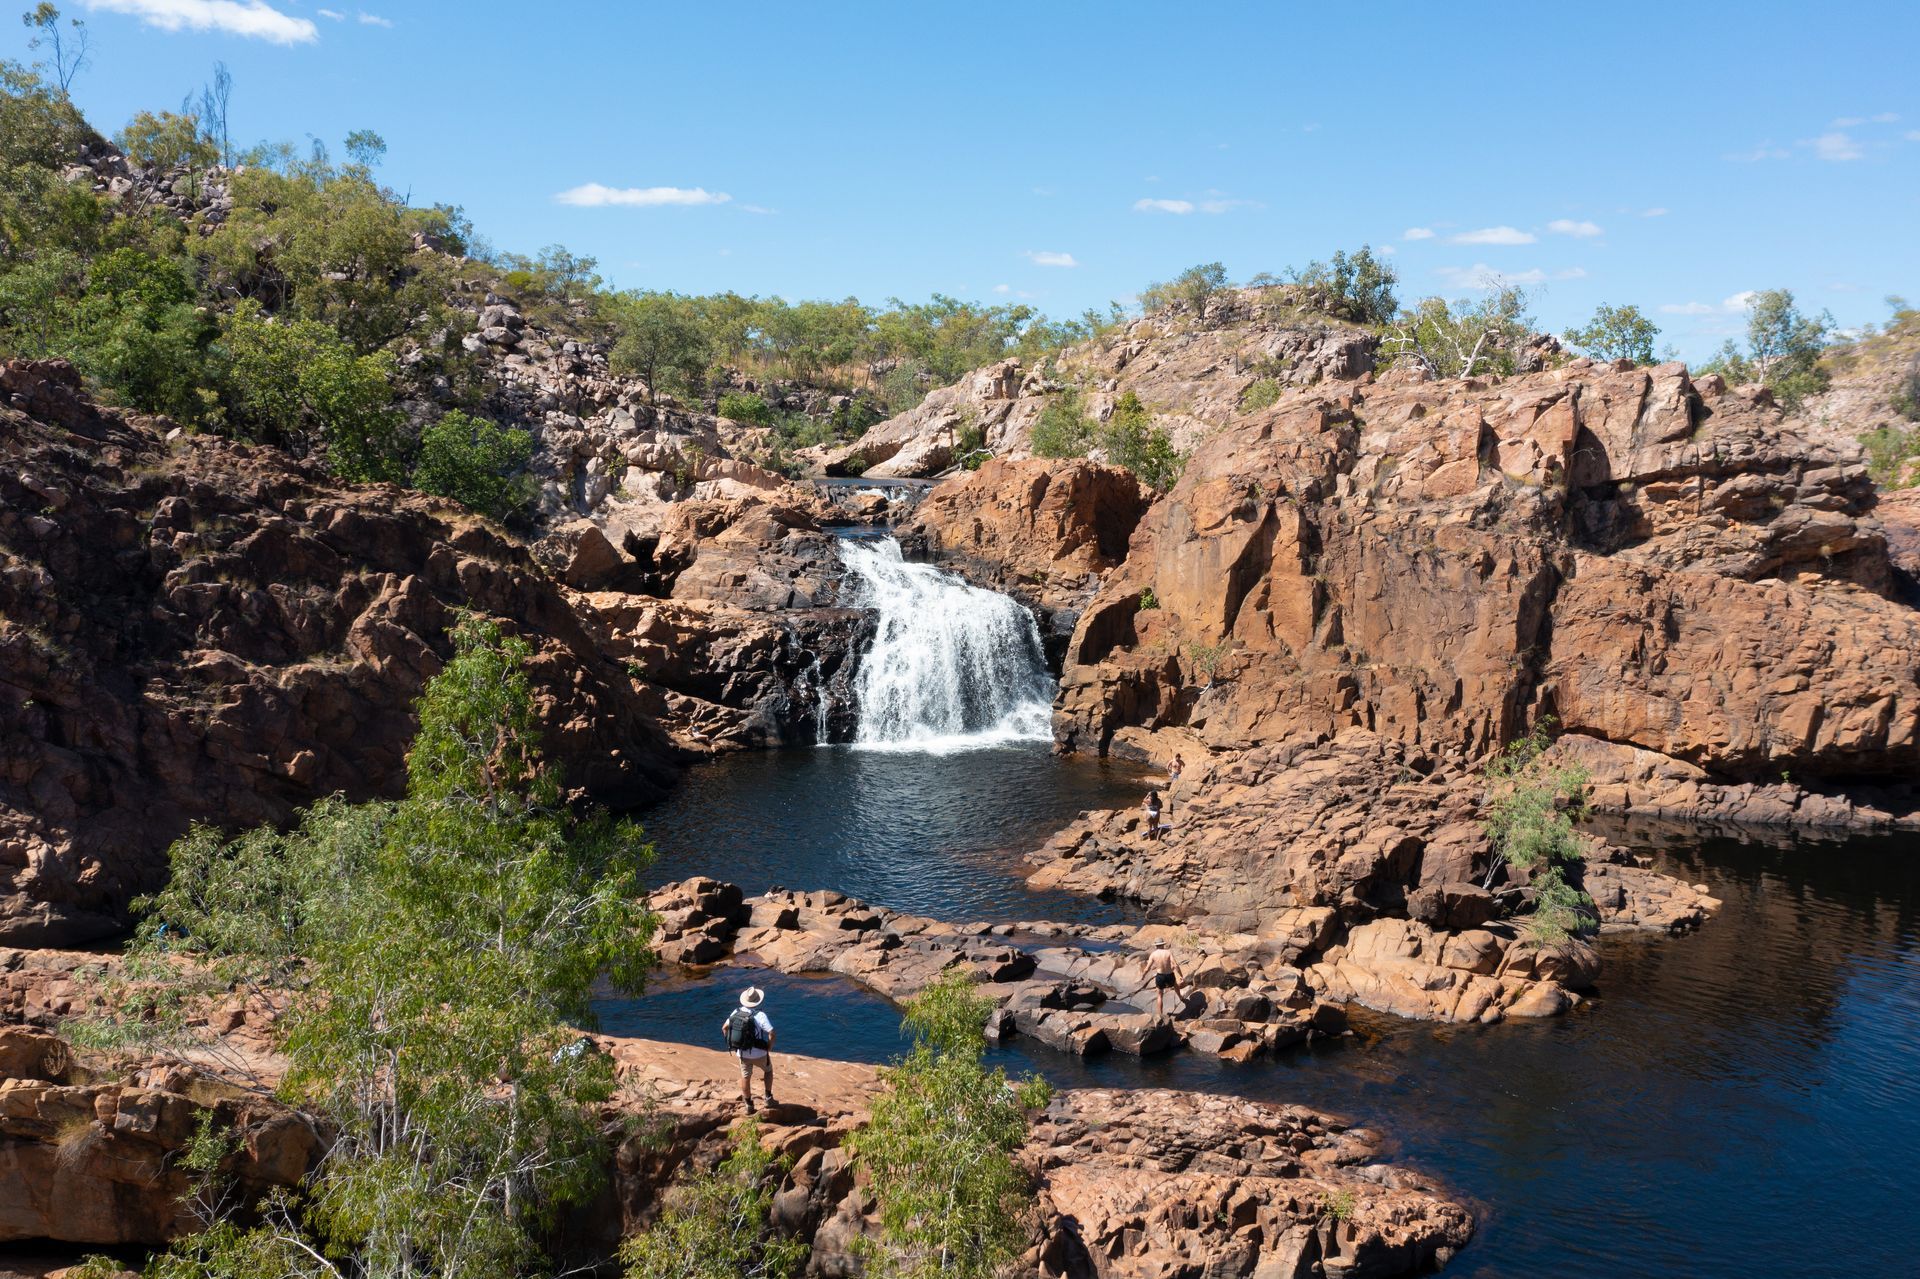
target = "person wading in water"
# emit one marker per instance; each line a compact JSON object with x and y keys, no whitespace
{"x":750,"y":1035}
{"x":1161,"y":972}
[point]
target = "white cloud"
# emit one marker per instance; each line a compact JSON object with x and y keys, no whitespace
{"x":374,"y":20}
{"x":1494,"y":235}
{"x":1310,"y":128}
{"x":331,"y":15}
{"x":1738,"y":302}
{"x":1579,"y":230}
{"x":1686,"y":308}
{"x":1163,"y":206}
{"x":1855,"y":121}
{"x":1045,"y":257}
{"x":1913,"y":135}
{"x":592,"y":195}
{"x":1656,"y":212}
{"x":1482,"y":276}
{"x":1388,"y":249}
{"x":254,"y":19}
{"x":1003,"y":288}
{"x":1416,"y":233}
{"x":1837,"y":146}
{"x":1227,"y":206}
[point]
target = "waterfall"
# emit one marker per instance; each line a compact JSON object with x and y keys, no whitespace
{"x":951,"y":666}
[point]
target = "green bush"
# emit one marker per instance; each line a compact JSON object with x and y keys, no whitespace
{"x":938,"y":1149}
{"x":1531,"y":808}
{"x":1358,"y":288}
{"x":477,"y":463}
{"x":744,"y":406}
{"x":1893,"y":455}
{"x":1260,"y":395}
{"x":443,"y":951}
{"x":1063,"y":428}
{"x":715,"y":1225}
{"x":298,"y":384}
{"x":1462,"y":338}
{"x":1130,"y":439}
{"x":1617,"y":333}
{"x":970,"y":445}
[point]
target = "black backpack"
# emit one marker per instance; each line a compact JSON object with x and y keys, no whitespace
{"x":742,"y":1030}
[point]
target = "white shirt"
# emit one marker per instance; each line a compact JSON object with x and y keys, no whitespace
{"x":761,"y":1024}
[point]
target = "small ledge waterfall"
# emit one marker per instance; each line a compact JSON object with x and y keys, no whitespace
{"x":951,"y":667}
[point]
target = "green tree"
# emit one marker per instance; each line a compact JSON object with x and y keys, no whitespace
{"x":297,"y":384}
{"x":744,"y":406}
{"x":1617,"y":333}
{"x":477,"y":463}
{"x":715,"y":1226}
{"x":1531,"y":806}
{"x":1784,"y":345}
{"x":1130,"y":439}
{"x":438,"y":956}
{"x":1191,"y":288}
{"x":939,"y":1146}
{"x":1464,"y":338}
{"x":660,"y":341}
{"x":1063,"y":428}
{"x":166,"y":140}
{"x":1358,"y":288}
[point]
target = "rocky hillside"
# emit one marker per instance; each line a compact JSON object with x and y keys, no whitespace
{"x":197,"y":630}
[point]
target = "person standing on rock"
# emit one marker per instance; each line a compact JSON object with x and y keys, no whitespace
{"x":1151,"y":806}
{"x":750,"y":1035}
{"x":1165,"y":978}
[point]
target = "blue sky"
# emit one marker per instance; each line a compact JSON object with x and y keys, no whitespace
{"x":1673,"y":156}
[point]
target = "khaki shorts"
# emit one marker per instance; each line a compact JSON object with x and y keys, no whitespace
{"x":764,"y":1061}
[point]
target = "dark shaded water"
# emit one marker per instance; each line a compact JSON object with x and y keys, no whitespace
{"x":928,"y":834}
{"x":1745,"y":1101}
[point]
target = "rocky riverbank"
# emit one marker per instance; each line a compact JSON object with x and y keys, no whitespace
{"x":1127,"y":1183}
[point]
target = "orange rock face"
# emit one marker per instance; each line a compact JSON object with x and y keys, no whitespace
{"x":1659,"y":565}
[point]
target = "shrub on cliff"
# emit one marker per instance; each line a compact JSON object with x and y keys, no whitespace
{"x":1063,"y":428}
{"x":1531,"y":807}
{"x":714,"y":1226}
{"x":437,"y":956}
{"x":938,"y":1148}
{"x":1783,"y":348}
{"x":477,"y":463}
{"x":1356,"y":288}
{"x":1130,"y":439}
{"x":1461,"y":338}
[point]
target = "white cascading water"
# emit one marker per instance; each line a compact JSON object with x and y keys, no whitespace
{"x":951,"y":666}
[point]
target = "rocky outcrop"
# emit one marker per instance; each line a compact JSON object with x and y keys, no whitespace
{"x":95,"y":1159}
{"x":1190,"y":371}
{"x":1051,"y":984}
{"x":197,"y":630}
{"x":1045,"y":532}
{"x":1359,"y":862}
{"x":1658,"y":564}
{"x":1147,"y":1183}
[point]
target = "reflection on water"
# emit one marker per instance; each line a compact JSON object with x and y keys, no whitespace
{"x":930,"y":835}
{"x":1743,"y":1101}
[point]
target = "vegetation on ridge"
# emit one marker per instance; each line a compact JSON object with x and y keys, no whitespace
{"x":436,"y":957}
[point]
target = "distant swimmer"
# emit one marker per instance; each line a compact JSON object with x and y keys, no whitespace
{"x":1165,"y":978}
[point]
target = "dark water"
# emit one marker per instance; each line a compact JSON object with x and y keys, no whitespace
{"x":1741,"y":1102}
{"x":927,"y":834}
